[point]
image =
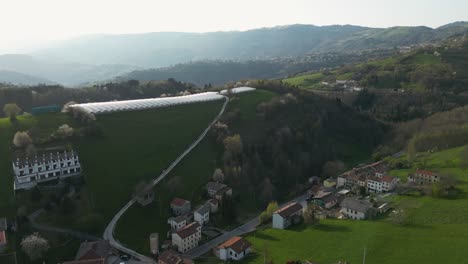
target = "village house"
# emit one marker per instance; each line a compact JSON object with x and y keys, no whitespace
{"x":180,"y":206}
{"x":214,"y":187}
{"x":46,"y":165}
{"x":235,"y":248}
{"x":96,"y":252}
{"x":356,"y":209}
{"x":145,"y":195}
{"x":287,"y":215}
{"x":172,"y":257}
{"x":423,"y":177}
{"x":224,"y":192}
{"x":177,"y":222}
{"x":187,"y":237}
{"x":202,"y":214}
{"x":325,"y":199}
{"x":214,"y":205}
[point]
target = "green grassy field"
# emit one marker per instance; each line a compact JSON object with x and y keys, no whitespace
{"x":307,"y":81}
{"x":436,"y":230}
{"x":186,"y":181}
{"x":41,"y":126}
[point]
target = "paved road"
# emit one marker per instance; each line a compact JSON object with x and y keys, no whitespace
{"x":241,"y":230}
{"x":109,"y":232}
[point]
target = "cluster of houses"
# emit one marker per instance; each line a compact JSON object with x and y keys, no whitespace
{"x":45,"y":165}
{"x":186,"y":224}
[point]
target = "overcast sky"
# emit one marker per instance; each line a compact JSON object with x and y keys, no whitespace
{"x":29,"y":24}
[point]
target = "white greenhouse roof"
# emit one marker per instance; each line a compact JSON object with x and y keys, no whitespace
{"x":239,"y":90}
{"x":140,"y":104}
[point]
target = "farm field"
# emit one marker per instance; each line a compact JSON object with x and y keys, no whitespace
{"x":186,"y":181}
{"x":441,"y":225}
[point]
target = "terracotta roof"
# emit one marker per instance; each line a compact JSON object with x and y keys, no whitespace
{"x":93,"y":250}
{"x":86,"y":261}
{"x":289,"y":209}
{"x":425,"y":172}
{"x":3,"y":239}
{"x":171,"y":257}
{"x":179,"y":202}
{"x":179,"y":219}
{"x":387,"y":178}
{"x":238,"y":244}
{"x":188,"y":230}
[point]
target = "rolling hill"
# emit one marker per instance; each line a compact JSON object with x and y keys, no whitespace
{"x":21,"y":79}
{"x":150,"y":50}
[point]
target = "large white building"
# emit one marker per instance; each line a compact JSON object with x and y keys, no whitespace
{"x":46,"y":165}
{"x":202,"y":214}
{"x":187,"y":237}
{"x":355,"y":209}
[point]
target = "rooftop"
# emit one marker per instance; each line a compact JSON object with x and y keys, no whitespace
{"x":171,"y":257}
{"x":238,"y":244}
{"x":188,"y":230}
{"x":215,"y":186}
{"x":425,"y":172}
{"x":289,"y":209}
{"x":93,"y":250}
{"x":203,"y":209}
{"x":358,"y":205}
{"x":179,"y":202}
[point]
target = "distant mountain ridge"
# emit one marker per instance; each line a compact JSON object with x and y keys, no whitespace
{"x":29,"y":70}
{"x":152,"y":50}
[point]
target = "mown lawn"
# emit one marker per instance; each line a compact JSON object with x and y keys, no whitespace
{"x":436,"y":230}
{"x":336,"y":240}
{"x":186,"y":181}
{"x":305,"y":81}
{"x":137,"y":146}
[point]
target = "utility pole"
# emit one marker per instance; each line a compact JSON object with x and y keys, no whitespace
{"x":364,"y":257}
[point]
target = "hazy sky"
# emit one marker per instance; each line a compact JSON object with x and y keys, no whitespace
{"x":26,"y":24}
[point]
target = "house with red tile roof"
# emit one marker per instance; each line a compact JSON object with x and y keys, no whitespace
{"x":172,"y":257}
{"x":235,"y":248}
{"x":187,"y":237}
{"x":287,"y":215}
{"x":423,"y":177}
{"x":180,"y":206}
{"x":95,"y":252}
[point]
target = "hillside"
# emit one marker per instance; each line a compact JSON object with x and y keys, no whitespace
{"x":58,"y":70}
{"x":20,"y":78}
{"x":440,"y":67}
{"x":252,"y":116}
{"x":151,"y":50}
{"x":220,"y":72}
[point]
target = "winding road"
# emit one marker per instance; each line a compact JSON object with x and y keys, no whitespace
{"x":109,"y":231}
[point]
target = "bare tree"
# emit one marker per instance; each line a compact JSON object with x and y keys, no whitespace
{"x":11,"y":110}
{"x":22,"y":139}
{"x":218,"y":175}
{"x":34,"y":246}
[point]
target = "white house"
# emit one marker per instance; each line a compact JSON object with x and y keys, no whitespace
{"x":355,"y":209}
{"x":180,"y":206}
{"x":187,"y":237}
{"x":287,"y":215}
{"x":46,"y":165}
{"x":213,"y":187}
{"x":384,"y":184}
{"x":177,"y":222}
{"x":202,"y":214}
{"x":235,"y":248}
